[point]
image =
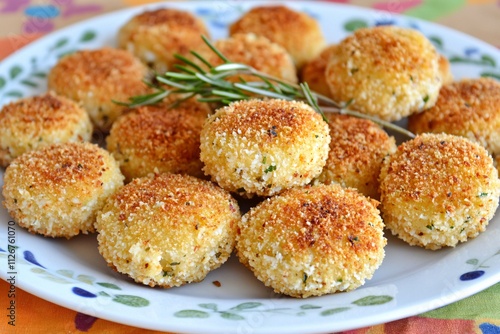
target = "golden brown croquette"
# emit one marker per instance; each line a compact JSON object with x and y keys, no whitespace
{"x":388,"y":72}
{"x":256,"y":51}
{"x":357,"y":149}
{"x":312,"y":241}
{"x":445,"y":70}
{"x":57,"y":190}
{"x":297,"y":32}
{"x":38,"y":121}
{"x":438,"y":190}
{"x":260,"y":147}
{"x":167,"y":230}
{"x":314,"y":72}
{"x":156,"y":139}
{"x":469,"y":108}
{"x":156,"y":36}
{"x":98,"y":78}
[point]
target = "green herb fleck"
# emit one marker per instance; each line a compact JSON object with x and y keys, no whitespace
{"x":270,"y":169}
{"x":426,"y":98}
{"x":430,"y":227}
{"x":304,"y":278}
{"x":175,"y":263}
{"x":264,"y":160}
{"x":483,"y":194}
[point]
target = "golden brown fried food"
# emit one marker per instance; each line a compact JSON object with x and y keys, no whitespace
{"x":386,"y":71}
{"x":156,"y":139}
{"x":97,"y":78}
{"x":297,"y":32}
{"x":167,"y":230}
{"x":438,"y":190}
{"x":38,"y":121}
{"x":357,"y":149}
{"x":312,"y":241}
{"x":57,"y":190}
{"x":263,"y":147}
{"x":469,"y":108}
{"x":156,"y":36}
{"x":314,"y":72}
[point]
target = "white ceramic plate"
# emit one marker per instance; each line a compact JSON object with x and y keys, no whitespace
{"x":71,"y":273}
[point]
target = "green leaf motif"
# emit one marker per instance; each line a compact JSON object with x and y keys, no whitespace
{"x":15,"y":71}
{"x":14,"y":93}
{"x":246,"y":306}
{"x":437,"y":41}
{"x":472,"y":261}
{"x":129,"y":300}
{"x":60,"y":43}
{"x":104,"y":294}
{"x":191,"y":314}
{"x":88,"y":36}
{"x":209,"y":306}
{"x":29,"y":83}
{"x":309,"y":307}
{"x":66,"y":273}
{"x":355,"y":24}
{"x":484,"y":61}
{"x":40,"y":75}
{"x":489,"y":60}
{"x":334,"y":311}
{"x":3,"y":82}
{"x":491,"y":75}
{"x":109,"y":285}
{"x":231,"y":316}
{"x":86,"y":279}
{"x":38,"y":270}
{"x":373,"y":300}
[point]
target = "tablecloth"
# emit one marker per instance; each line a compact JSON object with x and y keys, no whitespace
{"x":22,"y":21}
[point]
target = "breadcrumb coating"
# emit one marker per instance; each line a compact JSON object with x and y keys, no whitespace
{"x":469,"y":108}
{"x":57,"y":190}
{"x":385,"y":71}
{"x":39,"y":121}
{"x":357,"y":149}
{"x":445,"y":70}
{"x":156,"y":139}
{"x":312,"y":241}
{"x":260,"y":147}
{"x":256,"y":51}
{"x":314,"y":71}
{"x":156,"y":36}
{"x":97,"y":78}
{"x":438,"y":190}
{"x":167,"y":230}
{"x":297,"y":32}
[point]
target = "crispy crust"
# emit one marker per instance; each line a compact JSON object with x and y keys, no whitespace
{"x":95,"y":78}
{"x":312,"y":241}
{"x":291,"y":29}
{"x":468,"y":108}
{"x":167,"y":230}
{"x":156,"y":139}
{"x":57,"y":190}
{"x":314,"y":71}
{"x":38,"y":121}
{"x":256,"y":51}
{"x":156,"y":36}
{"x":438,"y":190}
{"x":357,"y":149}
{"x":262,"y":147}
{"x":386,"y":71}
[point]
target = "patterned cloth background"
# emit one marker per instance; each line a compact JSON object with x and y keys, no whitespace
{"x":21,"y":21}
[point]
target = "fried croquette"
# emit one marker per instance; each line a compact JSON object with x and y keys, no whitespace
{"x":312,"y":241}
{"x":156,"y":36}
{"x":297,"y":32}
{"x":388,"y":72}
{"x":167,"y":230}
{"x":98,"y":78}
{"x":469,"y":108}
{"x":38,"y":121}
{"x":256,"y":51}
{"x":260,"y":147}
{"x":438,"y":190}
{"x":156,"y":139}
{"x":57,"y":190}
{"x":357,"y":149}
{"x":314,"y":72}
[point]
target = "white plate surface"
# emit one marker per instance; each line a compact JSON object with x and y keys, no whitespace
{"x":71,"y":273}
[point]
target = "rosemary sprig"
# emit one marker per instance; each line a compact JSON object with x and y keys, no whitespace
{"x":212,"y":85}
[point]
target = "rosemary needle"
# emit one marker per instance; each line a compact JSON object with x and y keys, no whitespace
{"x":213,"y":85}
